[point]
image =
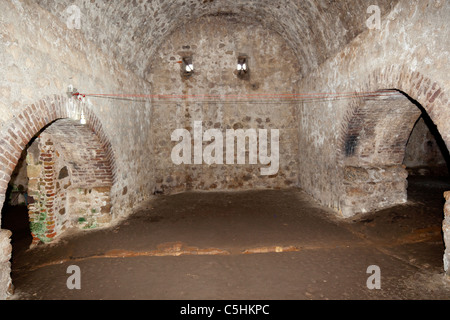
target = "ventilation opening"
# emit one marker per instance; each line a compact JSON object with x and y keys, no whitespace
{"x":242,"y":68}
{"x":187,"y":67}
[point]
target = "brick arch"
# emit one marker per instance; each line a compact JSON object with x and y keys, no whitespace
{"x":377,"y":129}
{"x":374,"y":132}
{"x":31,"y":120}
{"x":413,"y":84}
{"x":433,"y":99}
{"x":69,"y":180}
{"x":430,"y":94}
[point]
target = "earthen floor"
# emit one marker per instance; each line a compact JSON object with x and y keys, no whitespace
{"x":260,"y":244}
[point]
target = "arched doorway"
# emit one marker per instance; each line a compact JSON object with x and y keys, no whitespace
{"x":54,"y":136}
{"x":373,"y":154}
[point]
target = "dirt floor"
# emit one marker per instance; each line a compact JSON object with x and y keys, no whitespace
{"x":249,"y":245}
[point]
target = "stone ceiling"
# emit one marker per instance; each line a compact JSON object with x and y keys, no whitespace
{"x":132,"y":31}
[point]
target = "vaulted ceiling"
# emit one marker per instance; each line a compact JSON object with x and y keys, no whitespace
{"x":131,"y":31}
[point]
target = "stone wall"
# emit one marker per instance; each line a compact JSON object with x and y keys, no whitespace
{"x":426,"y":153}
{"x":133,"y":31}
{"x":5,"y":264}
{"x":446,"y":232}
{"x":215,"y":95}
{"x":40,"y":57}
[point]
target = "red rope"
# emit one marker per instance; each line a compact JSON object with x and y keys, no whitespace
{"x":316,"y":95}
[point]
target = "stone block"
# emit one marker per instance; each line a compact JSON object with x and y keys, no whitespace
{"x":34,"y":171}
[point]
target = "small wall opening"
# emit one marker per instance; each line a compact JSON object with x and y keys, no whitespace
{"x":187,"y":67}
{"x":242,"y":67}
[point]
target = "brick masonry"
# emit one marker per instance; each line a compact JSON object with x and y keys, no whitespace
{"x":374,"y":174}
{"x":16,"y":136}
{"x":70,"y":179}
{"x":35,"y":117}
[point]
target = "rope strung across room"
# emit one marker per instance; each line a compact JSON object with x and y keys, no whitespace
{"x":251,"y":98}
